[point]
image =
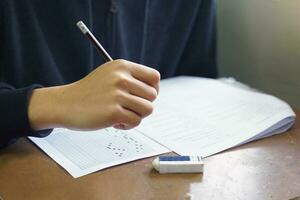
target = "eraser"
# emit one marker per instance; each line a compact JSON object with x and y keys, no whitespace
{"x":178,"y":164}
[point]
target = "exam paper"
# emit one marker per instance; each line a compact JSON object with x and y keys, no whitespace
{"x":200,"y":116}
{"x":192,"y":116}
{"x":81,"y":153}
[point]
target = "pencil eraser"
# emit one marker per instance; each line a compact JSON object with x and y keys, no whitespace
{"x":82,"y":27}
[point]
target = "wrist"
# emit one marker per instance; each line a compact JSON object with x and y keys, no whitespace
{"x":44,"y":108}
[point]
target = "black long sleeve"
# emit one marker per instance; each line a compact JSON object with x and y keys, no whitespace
{"x":13,"y":117}
{"x":41,"y":45}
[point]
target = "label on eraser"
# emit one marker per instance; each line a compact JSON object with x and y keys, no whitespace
{"x":178,"y":164}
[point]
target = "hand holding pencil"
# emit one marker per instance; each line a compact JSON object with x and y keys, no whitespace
{"x":118,"y":93}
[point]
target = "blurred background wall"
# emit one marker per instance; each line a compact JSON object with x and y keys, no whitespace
{"x":259,"y":44}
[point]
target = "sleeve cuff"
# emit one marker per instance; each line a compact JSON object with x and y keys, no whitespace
{"x":16,"y":117}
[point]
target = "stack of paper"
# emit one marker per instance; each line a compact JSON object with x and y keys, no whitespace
{"x":192,"y":116}
{"x":204,"y":116}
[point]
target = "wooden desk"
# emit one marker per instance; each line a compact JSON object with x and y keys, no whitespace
{"x":265,"y":169}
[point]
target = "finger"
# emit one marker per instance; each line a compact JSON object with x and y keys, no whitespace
{"x":128,"y":119}
{"x":137,"y":105}
{"x":141,"y":89}
{"x":145,"y":74}
{"x":121,"y":126}
{"x":156,"y":86}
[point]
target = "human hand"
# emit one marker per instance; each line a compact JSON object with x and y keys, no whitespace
{"x":119,"y":93}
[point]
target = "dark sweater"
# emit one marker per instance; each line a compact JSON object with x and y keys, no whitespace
{"x":40,"y":45}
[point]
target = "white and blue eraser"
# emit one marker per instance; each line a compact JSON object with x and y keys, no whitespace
{"x":178,"y":164}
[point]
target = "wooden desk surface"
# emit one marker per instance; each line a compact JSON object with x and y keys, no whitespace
{"x":265,"y":169}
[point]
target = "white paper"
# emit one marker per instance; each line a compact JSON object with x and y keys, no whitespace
{"x":198,"y":116}
{"x":81,"y":153}
{"x":192,"y":116}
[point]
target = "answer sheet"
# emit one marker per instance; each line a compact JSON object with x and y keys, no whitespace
{"x":192,"y":116}
{"x":81,"y":153}
{"x":199,"y":116}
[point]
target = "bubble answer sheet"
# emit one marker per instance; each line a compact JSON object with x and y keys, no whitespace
{"x":82,"y":153}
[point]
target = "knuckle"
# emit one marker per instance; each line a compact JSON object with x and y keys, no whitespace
{"x":148,"y":110}
{"x":152,"y":95}
{"x":156,"y":75}
{"x":131,"y":119}
{"x":136,"y":121}
{"x":116,"y":114}
{"x":121,"y":63}
{"x":123,"y":81}
{"x":119,"y":96}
